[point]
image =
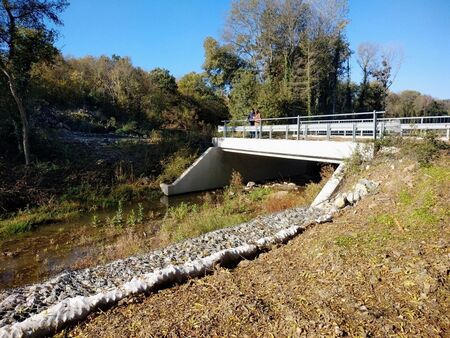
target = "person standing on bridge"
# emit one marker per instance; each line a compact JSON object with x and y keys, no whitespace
{"x":251,"y":120}
{"x":258,"y":123}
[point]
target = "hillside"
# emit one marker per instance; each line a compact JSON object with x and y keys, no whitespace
{"x":381,"y":268}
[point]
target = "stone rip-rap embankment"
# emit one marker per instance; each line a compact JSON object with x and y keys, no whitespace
{"x":39,"y":309}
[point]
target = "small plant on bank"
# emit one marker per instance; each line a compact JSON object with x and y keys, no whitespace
{"x":179,"y":212}
{"x":118,"y":217}
{"x":95,"y":221}
{"x":258,"y":194}
{"x":117,"y":220}
{"x":424,"y":148}
{"x":236,"y":181}
{"x":140,"y":213}
{"x":353,"y":164}
{"x":176,"y":164}
{"x":425,"y":151}
{"x":109,"y":221}
{"x":132,"y":219}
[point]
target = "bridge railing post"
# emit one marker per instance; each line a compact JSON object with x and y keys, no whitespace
{"x":287,"y":131}
{"x":329,"y":131}
{"x":260,"y":129}
{"x":243,"y":131}
{"x":298,"y":127}
{"x":374,"y":125}
{"x":270,"y":132}
{"x":354,"y":132}
{"x":225,"y":129}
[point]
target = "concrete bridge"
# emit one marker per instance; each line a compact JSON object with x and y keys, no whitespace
{"x":277,"y":149}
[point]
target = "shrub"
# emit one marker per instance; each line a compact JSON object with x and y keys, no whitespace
{"x":425,"y":150}
{"x":176,"y":164}
{"x":354,"y":163}
{"x":278,"y":202}
{"x":236,"y":181}
{"x":129,"y":128}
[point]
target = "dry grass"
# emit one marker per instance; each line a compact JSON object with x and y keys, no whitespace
{"x":380,"y":269}
{"x":124,"y":244}
{"x":277,"y":202}
{"x":282,"y":201}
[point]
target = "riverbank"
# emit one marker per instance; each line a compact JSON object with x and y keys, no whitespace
{"x":80,"y":173}
{"x":379,"y":269}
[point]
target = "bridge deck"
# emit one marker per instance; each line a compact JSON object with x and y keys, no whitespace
{"x":320,"y":151}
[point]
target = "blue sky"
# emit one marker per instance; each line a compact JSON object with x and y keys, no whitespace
{"x":170,"y":33}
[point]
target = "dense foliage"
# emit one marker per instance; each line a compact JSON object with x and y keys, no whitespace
{"x":286,"y":58}
{"x":126,"y":93}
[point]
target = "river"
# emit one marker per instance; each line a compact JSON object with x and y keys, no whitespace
{"x":77,"y":243}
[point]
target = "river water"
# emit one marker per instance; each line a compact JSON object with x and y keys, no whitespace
{"x":76,"y":243}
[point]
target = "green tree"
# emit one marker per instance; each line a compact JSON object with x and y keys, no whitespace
{"x":221,"y":64}
{"x":163,"y":80}
{"x":245,"y":93}
{"x":210,"y":106}
{"x":413,"y":103}
{"x":25,"y":40}
{"x":161,"y":97}
{"x":297,"y":49}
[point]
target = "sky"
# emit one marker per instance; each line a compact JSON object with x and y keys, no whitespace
{"x":170,"y":34}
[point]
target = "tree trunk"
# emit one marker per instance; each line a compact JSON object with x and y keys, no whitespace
{"x":25,"y":126}
{"x":23,"y":118}
{"x":18,"y":136}
{"x":362,"y":96}
{"x":308,"y":81}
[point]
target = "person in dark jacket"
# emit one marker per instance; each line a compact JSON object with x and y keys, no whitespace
{"x":251,"y":120}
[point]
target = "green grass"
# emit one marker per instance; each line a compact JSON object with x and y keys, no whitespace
{"x":418,"y":209}
{"x":345,"y":241}
{"x":185,"y":221}
{"x":72,"y":203}
{"x":28,"y":220}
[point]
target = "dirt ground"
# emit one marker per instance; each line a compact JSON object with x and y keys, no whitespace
{"x":380,"y":269}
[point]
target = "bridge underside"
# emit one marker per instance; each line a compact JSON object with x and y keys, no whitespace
{"x":215,"y":168}
{"x":256,"y":160}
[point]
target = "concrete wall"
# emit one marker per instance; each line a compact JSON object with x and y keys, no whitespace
{"x":206,"y":173}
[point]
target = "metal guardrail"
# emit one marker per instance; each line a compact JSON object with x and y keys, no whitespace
{"x":355,"y":125}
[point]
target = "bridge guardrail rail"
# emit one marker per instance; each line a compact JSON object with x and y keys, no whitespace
{"x":354,"y":125}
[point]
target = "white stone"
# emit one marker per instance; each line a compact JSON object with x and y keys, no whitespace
{"x":340,"y":201}
{"x":250,"y":184}
{"x":361,"y":190}
{"x":350,"y":197}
